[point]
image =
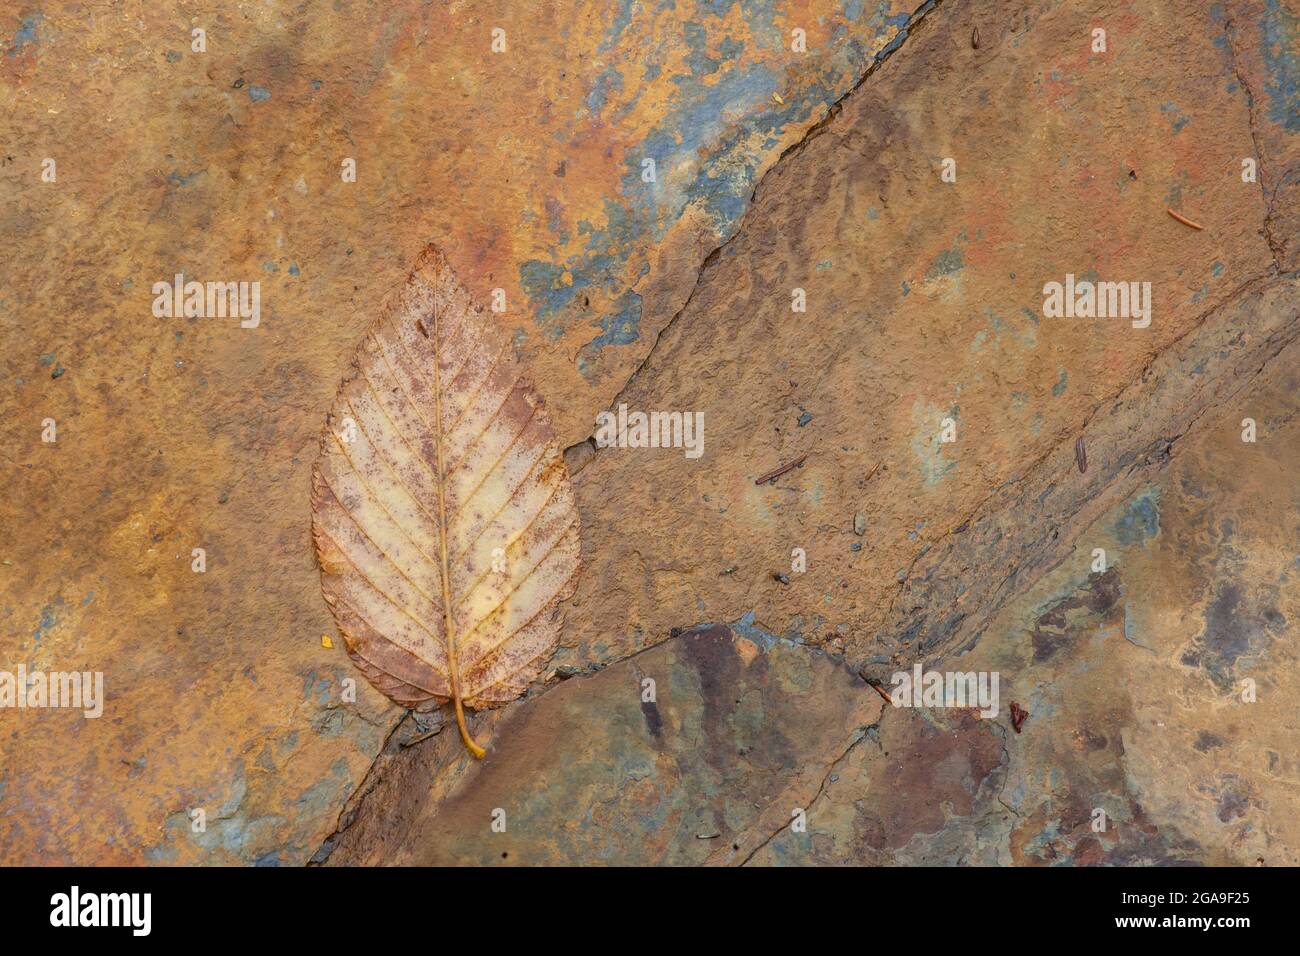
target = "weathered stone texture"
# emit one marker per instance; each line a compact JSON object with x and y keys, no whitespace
{"x":737,"y":730}
{"x":924,"y":302}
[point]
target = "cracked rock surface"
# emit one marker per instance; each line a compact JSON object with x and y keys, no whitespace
{"x":747,"y":729}
{"x":227,"y":165}
{"x":924,"y":303}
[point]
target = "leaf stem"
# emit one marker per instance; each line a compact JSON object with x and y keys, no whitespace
{"x":472,"y":747}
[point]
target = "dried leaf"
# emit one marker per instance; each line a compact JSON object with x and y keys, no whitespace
{"x":443,"y":517}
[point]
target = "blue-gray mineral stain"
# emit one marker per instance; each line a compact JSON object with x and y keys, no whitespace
{"x":1141,"y":518}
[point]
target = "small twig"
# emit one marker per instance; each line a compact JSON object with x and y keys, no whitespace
{"x":881,"y":691}
{"x":415,"y":740}
{"x":1080,"y":455}
{"x":773,"y":475}
{"x":1184,"y":220}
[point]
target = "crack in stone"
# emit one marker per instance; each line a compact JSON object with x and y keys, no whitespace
{"x":577,"y":460}
{"x":861,"y":734}
{"x":349,"y":812}
{"x":1274,"y":245}
{"x":1158,"y":452}
{"x":974,"y":514}
{"x":1006,"y":775}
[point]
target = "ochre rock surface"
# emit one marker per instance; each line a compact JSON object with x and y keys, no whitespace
{"x":775,"y":172}
{"x":686,"y":754}
{"x":172,"y":433}
{"x":1133,"y":682}
{"x":925,"y":302}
